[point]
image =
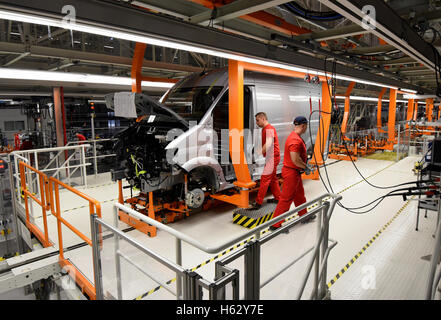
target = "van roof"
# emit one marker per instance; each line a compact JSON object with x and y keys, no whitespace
{"x":219,"y":77}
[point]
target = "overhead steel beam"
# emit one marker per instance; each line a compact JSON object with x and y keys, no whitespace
{"x":332,"y":33}
{"x":234,"y":10}
{"x":51,"y":35}
{"x":417,"y":72}
{"x":391,"y":62}
{"x":264,"y":19}
{"x":13,"y":60}
{"x":401,"y":69}
{"x":136,"y":21}
{"x":389,"y":26}
{"x":83,"y":56}
{"x":372,"y":50}
{"x":185,"y":9}
{"x":315,"y":49}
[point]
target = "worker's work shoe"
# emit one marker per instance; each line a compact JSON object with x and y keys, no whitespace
{"x":273,"y":228}
{"x":309,"y":219}
{"x":255,"y":206}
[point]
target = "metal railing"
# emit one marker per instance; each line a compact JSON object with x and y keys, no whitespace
{"x":434,"y":279}
{"x":190,"y":284}
{"x":55,"y":162}
{"x":44,"y":202}
{"x":94,"y":209}
{"x":93,"y":154}
{"x":50,"y":200}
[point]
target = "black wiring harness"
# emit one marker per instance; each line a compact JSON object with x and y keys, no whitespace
{"x":420,"y":189}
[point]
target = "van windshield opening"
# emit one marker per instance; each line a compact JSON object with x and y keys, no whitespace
{"x":192,"y":103}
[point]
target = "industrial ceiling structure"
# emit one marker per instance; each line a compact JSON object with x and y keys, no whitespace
{"x":391,"y":43}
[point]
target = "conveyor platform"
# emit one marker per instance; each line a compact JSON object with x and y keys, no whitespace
{"x":250,"y":219}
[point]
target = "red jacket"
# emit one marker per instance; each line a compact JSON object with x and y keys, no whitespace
{"x":271,"y":132}
{"x":294,"y":143}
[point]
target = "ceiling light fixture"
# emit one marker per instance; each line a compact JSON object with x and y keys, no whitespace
{"x":20,"y":74}
{"x":81,"y":27}
{"x":358,"y":98}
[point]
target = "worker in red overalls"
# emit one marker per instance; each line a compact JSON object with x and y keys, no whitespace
{"x":17,"y":140}
{"x":80,"y":137}
{"x":271,"y":152}
{"x":294,"y":164}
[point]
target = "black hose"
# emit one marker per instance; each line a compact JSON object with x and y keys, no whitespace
{"x":298,"y":10}
{"x":378,"y":200}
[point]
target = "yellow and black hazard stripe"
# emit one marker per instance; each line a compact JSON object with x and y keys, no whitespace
{"x":251,"y":223}
{"x":7,"y":257}
{"x":101,"y":185}
{"x":86,"y":206}
{"x":353,"y":185}
{"x":367,"y":245}
{"x":153,"y":290}
{"x":237,"y":216}
{"x":198,"y":266}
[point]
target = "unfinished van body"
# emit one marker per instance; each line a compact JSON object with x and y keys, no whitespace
{"x":187,"y":132}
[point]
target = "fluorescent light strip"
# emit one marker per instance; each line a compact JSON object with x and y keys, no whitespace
{"x":8,"y":15}
{"x":21,"y":74}
{"x":409,"y":91}
{"x":356,"y":98}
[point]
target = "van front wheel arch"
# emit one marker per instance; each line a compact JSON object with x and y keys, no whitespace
{"x":203,"y":177}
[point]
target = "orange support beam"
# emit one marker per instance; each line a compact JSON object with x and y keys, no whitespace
{"x":415,"y":110}
{"x":429,"y":109}
{"x":236,"y":120}
{"x":347,"y":107}
{"x":322,"y":133}
{"x":392,"y":114}
{"x":276,"y":71}
{"x":410,"y":108}
{"x":274,"y":23}
{"x":137,"y":61}
{"x":379,"y":106}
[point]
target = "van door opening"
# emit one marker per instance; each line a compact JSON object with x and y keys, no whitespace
{"x":221,"y":126}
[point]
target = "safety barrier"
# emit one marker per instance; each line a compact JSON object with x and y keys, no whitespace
{"x":94,"y":209}
{"x":50,"y":200}
{"x":44,"y":201}
{"x":189,"y":284}
{"x":434,"y":279}
{"x":54,"y":162}
{"x":94,"y":157}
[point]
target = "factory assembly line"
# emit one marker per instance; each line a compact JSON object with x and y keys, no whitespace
{"x":144,"y":187}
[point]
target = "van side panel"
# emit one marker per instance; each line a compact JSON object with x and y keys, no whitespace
{"x":283,"y":99}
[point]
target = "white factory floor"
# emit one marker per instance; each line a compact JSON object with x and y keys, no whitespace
{"x":389,"y":268}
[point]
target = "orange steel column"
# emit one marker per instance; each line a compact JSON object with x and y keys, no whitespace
{"x":410,"y":107}
{"x":392,"y":114}
{"x":429,"y":109}
{"x":322,"y":134}
{"x":138,"y":59}
{"x":236,"y":119}
{"x":379,"y":106}
{"x":415,"y":110}
{"x":347,"y":107}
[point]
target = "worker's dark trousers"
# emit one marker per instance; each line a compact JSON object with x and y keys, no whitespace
{"x":269,"y":179}
{"x":292,"y":191}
